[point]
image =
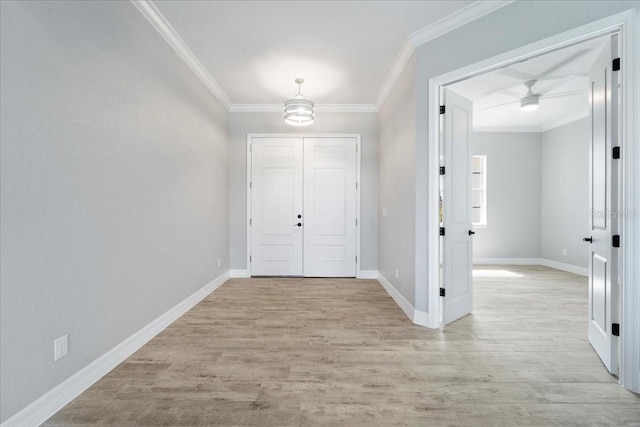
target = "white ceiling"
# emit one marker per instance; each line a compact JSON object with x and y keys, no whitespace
{"x":496,"y":95}
{"x":345,"y":50}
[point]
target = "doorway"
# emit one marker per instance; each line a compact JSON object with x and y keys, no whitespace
{"x":624,"y":24}
{"x":303,"y":205}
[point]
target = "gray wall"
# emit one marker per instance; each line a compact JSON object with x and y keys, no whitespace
{"x":241,"y":124}
{"x":396,"y":231}
{"x":565,"y":193}
{"x":114,"y":186}
{"x":513,"y":195}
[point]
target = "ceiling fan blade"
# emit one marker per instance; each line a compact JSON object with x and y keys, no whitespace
{"x":558,"y":83}
{"x":510,"y":93}
{"x":520,"y":75}
{"x":566,"y":61}
{"x":498,"y":105}
{"x":562,"y":94}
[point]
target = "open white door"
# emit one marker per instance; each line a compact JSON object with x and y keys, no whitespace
{"x":330,"y":207}
{"x":276,"y":203}
{"x":603,"y":255}
{"x":457,"y":240}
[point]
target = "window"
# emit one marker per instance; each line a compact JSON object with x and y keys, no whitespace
{"x":479,"y":191}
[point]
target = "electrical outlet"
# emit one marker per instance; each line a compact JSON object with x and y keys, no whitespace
{"x":219,"y":262}
{"x":564,"y":252}
{"x":397,"y":273}
{"x":60,"y":347}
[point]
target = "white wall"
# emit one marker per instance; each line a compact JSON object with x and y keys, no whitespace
{"x":396,"y":231}
{"x":114,"y":197}
{"x":241,"y":124}
{"x":513,"y":195}
{"x":565,"y":193}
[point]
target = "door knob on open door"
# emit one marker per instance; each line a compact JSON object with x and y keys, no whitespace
{"x":471,"y":233}
{"x":588,"y":239}
{"x":298,"y":224}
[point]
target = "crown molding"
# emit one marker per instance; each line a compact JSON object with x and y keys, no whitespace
{"x":160,"y":23}
{"x":448,"y":23}
{"x":324,"y":108}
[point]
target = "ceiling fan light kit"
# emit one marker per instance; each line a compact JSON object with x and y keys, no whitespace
{"x":299,"y":111}
{"x":530,"y":102}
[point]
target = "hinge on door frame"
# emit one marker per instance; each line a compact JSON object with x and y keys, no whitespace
{"x":356,"y":222}
{"x":442,"y":292}
{"x":442,"y":109}
{"x":356,"y":185}
{"x":250,"y":260}
{"x":615,"y":64}
{"x":356,"y":148}
{"x":616,"y":153}
{"x":250,"y":221}
{"x":442,"y":170}
{"x":615,"y":240}
{"x":615,"y":329}
{"x":250,"y":184}
{"x":356,"y":259}
{"x":250,"y":147}
{"x":442,"y":231}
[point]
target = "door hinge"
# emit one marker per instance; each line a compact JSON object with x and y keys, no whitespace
{"x":615,"y":329}
{"x":250,"y":147}
{"x":442,"y":109}
{"x":356,"y":185}
{"x":250,"y":260}
{"x":250,"y":221}
{"x":250,"y":184}
{"x":616,"y":152}
{"x":615,"y":240}
{"x":442,"y":292}
{"x":356,"y":222}
{"x":442,"y":231}
{"x":615,"y":65}
{"x":356,"y":148}
{"x":441,"y":170}
{"x":356,"y":259}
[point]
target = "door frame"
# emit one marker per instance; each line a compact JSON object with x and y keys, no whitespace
{"x":357,"y":136}
{"x":626,"y":24}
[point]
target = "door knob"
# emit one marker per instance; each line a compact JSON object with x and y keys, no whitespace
{"x":588,"y":239}
{"x":471,"y":233}
{"x":298,"y":224}
{"x":299,"y":216}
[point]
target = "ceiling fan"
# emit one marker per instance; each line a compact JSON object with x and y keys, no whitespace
{"x":531,"y":100}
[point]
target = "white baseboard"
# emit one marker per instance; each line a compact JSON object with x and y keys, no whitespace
{"x":367,"y":274}
{"x":507,"y":261}
{"x":416,"y":316}
{"x":582,"y":271}
{"x":239,"y":274}
{"x":54,"y":400}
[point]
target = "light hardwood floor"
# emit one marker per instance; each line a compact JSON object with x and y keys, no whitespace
{"x":298,"y":352}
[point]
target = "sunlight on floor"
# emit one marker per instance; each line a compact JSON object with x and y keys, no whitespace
{"x":495,"y":273}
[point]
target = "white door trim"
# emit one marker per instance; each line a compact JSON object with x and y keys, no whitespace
{"x":304,"y":135}
{"x":627,"y":24}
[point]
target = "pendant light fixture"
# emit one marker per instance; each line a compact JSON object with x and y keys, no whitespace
{"x":298,"y":111}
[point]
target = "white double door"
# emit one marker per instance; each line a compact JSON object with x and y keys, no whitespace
{"x":303,"y":206}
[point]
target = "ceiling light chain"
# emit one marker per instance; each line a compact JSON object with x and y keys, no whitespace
{"x":299,"y":111}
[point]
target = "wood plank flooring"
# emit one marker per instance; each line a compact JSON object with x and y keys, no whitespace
{"x":303,"y":352}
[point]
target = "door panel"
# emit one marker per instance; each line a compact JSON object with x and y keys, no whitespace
{"x":330,"y":207}
{"x":276,"y":201}
{"x":603,"y":258}
{"x":457,"y":243}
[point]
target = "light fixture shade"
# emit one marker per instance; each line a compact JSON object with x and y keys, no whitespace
{"x":298,"y":112}
{"x":530,"y":103}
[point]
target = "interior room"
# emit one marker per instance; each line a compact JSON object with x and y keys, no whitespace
{"x":225,"y":213}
